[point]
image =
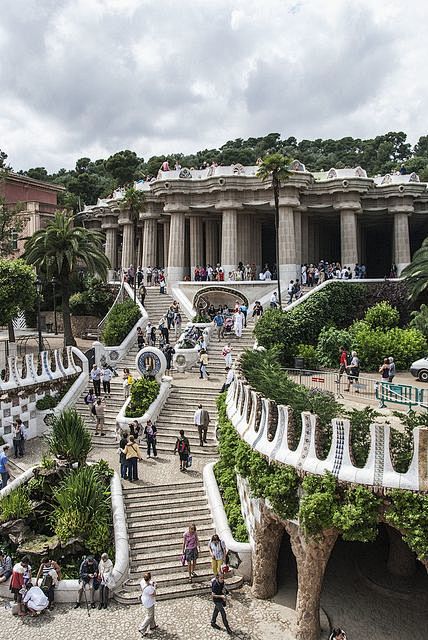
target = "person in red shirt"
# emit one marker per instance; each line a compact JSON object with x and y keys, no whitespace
{"x":343,"y":361}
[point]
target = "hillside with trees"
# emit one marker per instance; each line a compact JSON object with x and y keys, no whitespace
{"x":91,"y":179}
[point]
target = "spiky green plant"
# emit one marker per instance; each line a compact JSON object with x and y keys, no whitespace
{"x":69,"y":438}
{"x":16,"y":505}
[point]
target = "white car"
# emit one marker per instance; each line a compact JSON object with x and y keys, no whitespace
{"x":419,"y":369}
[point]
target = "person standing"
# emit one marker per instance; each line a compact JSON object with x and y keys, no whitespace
{"x":182,"y":447}
{"x":148,"y":600}
{"x":290,"y":291}
{"x":4,"y":466}
{"x":257,"y":310}
{"x":18,"y":438}
{"x":384,"y":370}
{"x":203,"y":363}
{"x":122,"y":456}
{"x":5,"y":566}
{"x":127,"y":382}
{"x":191,"y":549}
{"x":106,"y":375}
{"x":100,"y":415}
{"x":105,"y":569}
{"x":238,"y":323}
{"x":217,"y":550}
{"x":90,"y":400}
{"x":218,"y":592}
{"x":274,"y":302}
{"x":391,"y":369}
{"x":132,"y":454}
{"x":227,"y":354}
{"x":96,"y":379}
{"x":142,"y":291}
{"x":218,"y":321}
{"x":353,"y":370}
{"x":50,"y":573}
{"x":150,"y":431}
{"x":229,"y":379}
{"x":343,"y":361}
{"x":202,"y":420}
{"x":88,"y":574}
{"x":168,"y":352}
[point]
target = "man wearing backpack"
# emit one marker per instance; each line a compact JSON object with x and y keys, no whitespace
{"x":95,"y":375}
{"x":202,"y":420}
{"x":182,"y":446}
{"x":218,"y":321}
{"x":218,"y":592}
{"x":90,"y":400}
{"x":88,"y":577}
{"x":50,"y":573}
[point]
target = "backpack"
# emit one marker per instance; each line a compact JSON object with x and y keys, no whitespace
{"x":87,"y":399}
{"x":182,"y":446}
{"x":93,"y":410}
{"x":348,"y":359}
{"x":46,"y":583}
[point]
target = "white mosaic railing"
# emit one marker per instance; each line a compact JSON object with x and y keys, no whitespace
{"x":24,"y":386}
{"x":251,"y":414}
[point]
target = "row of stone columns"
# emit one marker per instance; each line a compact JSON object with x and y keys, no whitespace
{"x":241,"y":240}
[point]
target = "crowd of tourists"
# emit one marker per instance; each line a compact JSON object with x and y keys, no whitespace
{"x":314,"y":274}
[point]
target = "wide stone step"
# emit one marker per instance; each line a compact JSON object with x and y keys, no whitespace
{"x":141,"y":556}
{"x":138,"y":513}
{"x":171,"y":532}
{"x":165,"y":548}
{"x":173,"y":591}
{"x":164,"y":502}
{"x":179,"y":577}
{"x":168,"y":568}
{"x":172,"y":522}
{"x":155,"y":495}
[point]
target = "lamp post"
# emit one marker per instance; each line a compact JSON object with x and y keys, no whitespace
{"x":39,"y":288}
{"x":54,"y":283}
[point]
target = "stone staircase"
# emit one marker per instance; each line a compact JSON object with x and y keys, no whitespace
{"x":216,"y":365}
{"x":155,"y":528}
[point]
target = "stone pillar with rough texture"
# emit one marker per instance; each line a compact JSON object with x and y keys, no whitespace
{"x":298,"y":236}
{"x":211,"y":242}
{"x":149,"y":255}
{"x":312,"y":556}
{"x":257,"y":246}
{"x":245,"y":238}
{"x":196,"y":244}
{"x":176,"y":253}
{"x":229,"y":241}
{"x":268,"y":538}
{"x":127,"y":245}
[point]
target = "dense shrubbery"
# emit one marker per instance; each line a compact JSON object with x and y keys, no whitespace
{"x":143,"y":392}
{"x":16,"y":505}
{"x":120,"y":322}
{"x":420,"y":319}
{"x":264,"y":373}
{"x":335,"y":317}
{"x":51,"y":401}
{"x":95,"y":300}
{"x":334,"y":305}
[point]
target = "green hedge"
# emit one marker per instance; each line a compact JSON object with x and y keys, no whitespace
{"x":373,"y":345}
{"x":95,"y":300}
{"x":119,"y":323}
{"x":143,"y":392}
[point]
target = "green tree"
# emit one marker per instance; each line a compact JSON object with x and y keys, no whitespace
{"x":12,"y":223}
{"x":275,"y":167}
{"x":416,"y":273}
{"x":59,"y":249}
{"x":17,"y":291}
{"x":122,"y":166}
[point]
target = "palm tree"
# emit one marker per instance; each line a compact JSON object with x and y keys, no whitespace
{"x":134,"y":201}
{"x":416,"y":273}
{"x":59,"y":249}
{"x":275,"y":167}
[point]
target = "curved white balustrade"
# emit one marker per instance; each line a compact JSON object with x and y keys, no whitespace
{"x":378,"y":470}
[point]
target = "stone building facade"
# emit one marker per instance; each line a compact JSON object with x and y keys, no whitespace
{"x":225,"y":214}
{"x":39,"y":201}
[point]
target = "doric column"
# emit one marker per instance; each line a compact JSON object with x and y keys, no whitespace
{"x":229,"y":241}
{"x":176,"y":253}
{"x":401,"y":241}
{"x":149,"y":243}
{"x":211,"y":242}
{"x":166,"y":225}
{"x":245,"y":238}
{"x":305,"y":238}
{"x":127,"y":245}
{"x":298,"y":236}
{"x":286,"y":245}
{"x":196,"y":244}
{"x":348,"y":238}
{"x":111,"y":248}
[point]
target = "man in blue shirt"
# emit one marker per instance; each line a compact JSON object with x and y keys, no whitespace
{"x":219,"y":323}
{"x":4,"y":467}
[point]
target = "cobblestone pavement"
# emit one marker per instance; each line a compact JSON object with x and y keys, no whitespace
{"x":249,"y":619}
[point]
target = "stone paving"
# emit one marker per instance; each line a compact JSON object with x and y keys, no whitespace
{"x":249,"y":619}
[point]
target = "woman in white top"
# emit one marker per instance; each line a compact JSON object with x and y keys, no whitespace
{"x":217,"y":551}
{"x":105,"y":569}
{"x":35,"y":600}
{"x":148,"y":599}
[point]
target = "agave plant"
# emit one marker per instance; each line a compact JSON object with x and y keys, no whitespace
{"x":82,"y":509}
{"x":69,"y":438}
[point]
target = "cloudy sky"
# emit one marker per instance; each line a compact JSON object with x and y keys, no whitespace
{"x":91,"y":77}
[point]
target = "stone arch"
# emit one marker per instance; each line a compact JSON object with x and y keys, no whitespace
{"x":220,"y":296}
